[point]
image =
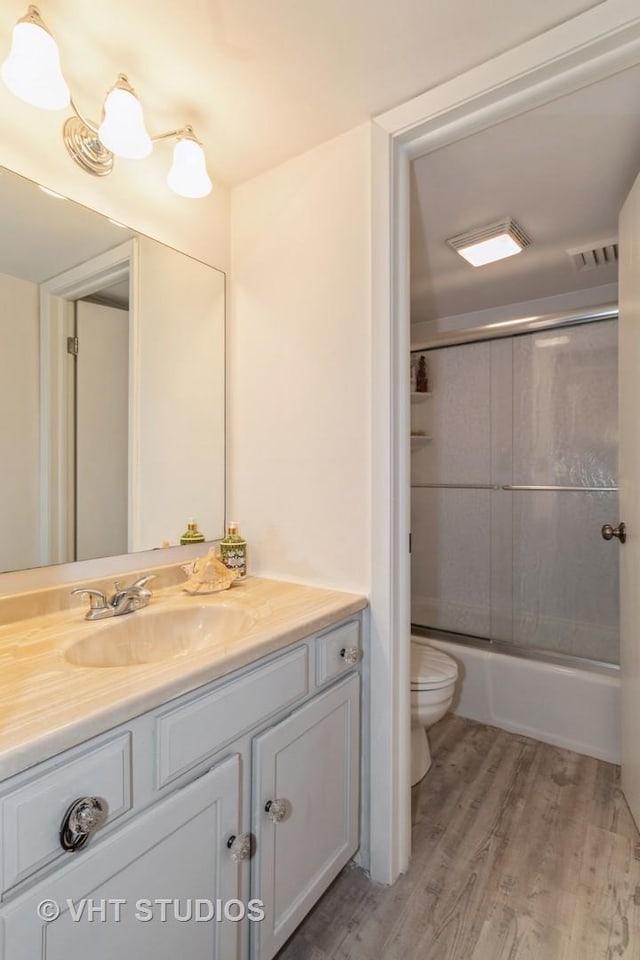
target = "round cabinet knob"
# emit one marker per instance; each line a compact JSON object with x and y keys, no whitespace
{"x":351,"y":655}
{"x":277,"y":810}
{"x":82,"y":819}
{"x":240,"y":847}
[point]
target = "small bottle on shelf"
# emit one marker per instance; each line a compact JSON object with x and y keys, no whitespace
{"x":233,"y":550}
{"x":422,"y":382}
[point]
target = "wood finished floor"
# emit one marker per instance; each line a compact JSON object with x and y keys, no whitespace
{"x":521,"y":851}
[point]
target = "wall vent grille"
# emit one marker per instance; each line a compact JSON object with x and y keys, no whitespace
{"x":595,"y":255}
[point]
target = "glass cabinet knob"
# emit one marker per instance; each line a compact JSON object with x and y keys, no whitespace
{"x":239,"y":847}
{"x":277,"y":810}
{"x":351,"y":655}
{"x":82,"y":819}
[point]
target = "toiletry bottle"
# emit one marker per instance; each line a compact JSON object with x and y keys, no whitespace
{"x":412,"y":375}
{"x":192,"y":534}
{"x":422,"y":383}
{"x":233,"y":550}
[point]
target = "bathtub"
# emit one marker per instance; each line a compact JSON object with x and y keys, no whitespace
{"x":567,"y":706}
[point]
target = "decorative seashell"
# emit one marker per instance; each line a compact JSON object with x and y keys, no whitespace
{"x":208,"y":575}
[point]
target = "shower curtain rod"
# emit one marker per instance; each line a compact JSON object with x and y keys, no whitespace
{"x":514,"y":328}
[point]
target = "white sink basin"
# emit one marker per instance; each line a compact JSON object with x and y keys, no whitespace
{"x":151,"y":635}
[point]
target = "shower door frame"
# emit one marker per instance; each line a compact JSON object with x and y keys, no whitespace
{"x":485,"y":333}
{"x":582,"y":50}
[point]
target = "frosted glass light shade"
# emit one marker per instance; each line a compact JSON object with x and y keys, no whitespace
{"x":488,"y":251}
{"x":32,"y":70}
{"x":122,"y":130}
{"x":188,"y":175}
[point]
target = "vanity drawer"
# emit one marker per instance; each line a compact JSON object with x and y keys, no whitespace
{"x":32,"y":814}
{"x":330,"y":660}
{"x":187,"y":734}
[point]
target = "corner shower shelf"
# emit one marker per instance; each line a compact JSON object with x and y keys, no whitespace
{"x":416,"y":396}
{"x":417,"y":439}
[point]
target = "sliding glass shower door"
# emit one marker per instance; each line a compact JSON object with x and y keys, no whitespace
{"x":512,"y":487}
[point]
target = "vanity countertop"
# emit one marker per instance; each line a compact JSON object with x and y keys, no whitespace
{"x":48,"y":704}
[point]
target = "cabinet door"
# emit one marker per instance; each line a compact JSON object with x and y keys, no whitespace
{"x":311,"y":761}
{"x":176,"y":850}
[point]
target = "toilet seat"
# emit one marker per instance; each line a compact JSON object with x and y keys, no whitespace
{"x":431,"y":669}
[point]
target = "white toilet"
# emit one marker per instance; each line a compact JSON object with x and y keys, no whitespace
{"x":433,"y":681}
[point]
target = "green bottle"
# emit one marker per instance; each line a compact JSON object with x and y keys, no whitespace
{"x":191,"y":534}
{"x":233,"y":550}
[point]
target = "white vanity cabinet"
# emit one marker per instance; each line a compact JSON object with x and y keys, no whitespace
{"x":305,"y":809}
{"x":246,"y":789}
{"x":111,"y":897}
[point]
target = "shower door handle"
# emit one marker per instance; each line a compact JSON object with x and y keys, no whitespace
{"x":609,"y":532}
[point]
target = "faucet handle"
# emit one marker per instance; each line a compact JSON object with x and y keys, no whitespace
{"x":136,"y":589}
{"x":136,"y":585}
{"x":97,"y":599}
{"x":142,"y":581}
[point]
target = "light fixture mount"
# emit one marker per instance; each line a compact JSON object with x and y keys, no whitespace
{"x":495,"y":241}
{"x":84,"y":146}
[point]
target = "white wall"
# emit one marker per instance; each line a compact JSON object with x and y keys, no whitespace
{"x":19,"y":417}
{"x":299,"y":359}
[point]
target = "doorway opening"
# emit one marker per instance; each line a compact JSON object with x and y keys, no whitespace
{"x":591,"y":47}
{"x":86,"y":349}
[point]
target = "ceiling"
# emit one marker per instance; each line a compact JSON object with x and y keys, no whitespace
{"x":263,"y":81}
{"x":561,"y":171}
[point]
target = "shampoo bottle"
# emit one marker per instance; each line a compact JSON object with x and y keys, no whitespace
{"x":233,"y":550}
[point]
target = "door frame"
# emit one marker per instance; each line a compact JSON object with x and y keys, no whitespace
{"x":579,"y":52}
{"x":56,"y":462}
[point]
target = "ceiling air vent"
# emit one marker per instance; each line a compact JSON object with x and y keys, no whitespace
{"x":595,"y":255}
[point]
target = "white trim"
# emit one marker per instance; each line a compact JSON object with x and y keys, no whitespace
{"x":135,"y":403}
{"x":55,"y":326}
{"x":390,"y":814}
{"x":581,"y":51}
{"x":81,"y":281}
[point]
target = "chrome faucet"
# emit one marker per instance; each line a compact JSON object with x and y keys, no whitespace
{"x":126,"y":599}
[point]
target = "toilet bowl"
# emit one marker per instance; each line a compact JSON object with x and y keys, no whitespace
{"x":433,"y":681}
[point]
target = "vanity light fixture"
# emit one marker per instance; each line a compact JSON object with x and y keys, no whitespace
{"x":32,"y":73}
{"x":487,"y":244}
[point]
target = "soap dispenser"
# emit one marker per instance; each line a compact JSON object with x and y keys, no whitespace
{"x":192,"y":534}
{"x":233,"y":550}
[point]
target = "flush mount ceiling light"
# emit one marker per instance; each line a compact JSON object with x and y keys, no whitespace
{"x":488,"y":244}
{"x":32,"y":73}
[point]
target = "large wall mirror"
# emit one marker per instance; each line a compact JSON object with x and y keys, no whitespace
{"x":111,"y":385}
